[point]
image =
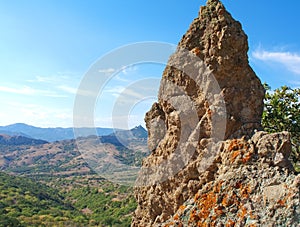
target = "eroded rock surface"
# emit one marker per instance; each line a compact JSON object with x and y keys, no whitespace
{"x":249,"y":187}
{"x":202,"y":136}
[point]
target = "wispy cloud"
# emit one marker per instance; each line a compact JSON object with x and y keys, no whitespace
{"x":37,"y":114}
{"x":291,"y":61}
{"x":46,"y":79}
{"x":76,"y":91}
{"x":126,"y":70}
{"x":126,"y":93}
{"x":26,"y":90}
{"x":68,"y":89}
{"x":58,"y":78}
{"x":119,"y":78}
{"x":114,"y":91}
{"x":107,"y":71}
{"x":129,"y":93}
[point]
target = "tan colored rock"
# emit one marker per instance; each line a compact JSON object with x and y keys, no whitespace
{"x":209,"y":105}
{"x":245,"y":190}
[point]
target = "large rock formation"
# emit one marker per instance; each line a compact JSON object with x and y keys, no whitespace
{"x":208,"y":162}
{"x":252,"y":186}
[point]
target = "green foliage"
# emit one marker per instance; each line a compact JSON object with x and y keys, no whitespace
{"x":109,"y":204}
{"x":6,"y":221}
{"x":72,"y":201}
{"x":282,"y":113}
{"x":129,"y":156}
{"x":27,"y":203}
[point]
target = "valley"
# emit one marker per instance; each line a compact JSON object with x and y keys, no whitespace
{"x":52,"y":183}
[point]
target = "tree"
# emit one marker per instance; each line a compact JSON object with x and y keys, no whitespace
{"x":282,"y":113}
{"x":6,"y":221}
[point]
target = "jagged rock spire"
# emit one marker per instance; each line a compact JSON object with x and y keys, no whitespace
{"x":220,"y":46}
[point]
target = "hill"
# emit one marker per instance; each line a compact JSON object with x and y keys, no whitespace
{"x":65,"y":158}
{"x":83,"y":201}
{"x":4,"y":132}
{"x":78,"y":195}
{"x":24,"y":202}
{"x":7,"y":140}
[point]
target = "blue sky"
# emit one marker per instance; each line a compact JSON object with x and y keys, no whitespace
{"x":46,"y":47}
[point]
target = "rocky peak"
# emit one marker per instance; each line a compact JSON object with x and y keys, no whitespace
{"x":219,"y":41}
{"x":202,"y":134}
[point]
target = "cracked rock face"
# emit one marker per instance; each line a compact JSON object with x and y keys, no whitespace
{"x":210,"y":99}
{"x":249,"y":187}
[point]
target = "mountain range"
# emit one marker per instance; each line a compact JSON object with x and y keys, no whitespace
{"x":54,"y":184}
{"x":51,"y":134}
{"x":31,"y":157}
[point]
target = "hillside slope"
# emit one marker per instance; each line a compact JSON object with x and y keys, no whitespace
{"x":28,"y":203}
{"x":18,"y":140}
{"x":71,"y":201}
{"x":64,"y":158}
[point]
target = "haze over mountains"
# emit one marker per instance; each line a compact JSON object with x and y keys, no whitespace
{"x":31,"y":157}
{"x":50,"y":134}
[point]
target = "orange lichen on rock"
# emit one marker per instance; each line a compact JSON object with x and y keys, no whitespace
{"x":242,"y":213}
{"x":245,"y":191}
{"x":234,"y":155}
{"x":247,"y":157}
{"x":207,"y":206}
{"x":234,"y":145}
{"x":181,"y":208}
{"x":196,"y":51}
{"x":169,"y":224}
{"x":252,"y":225}
{"x":225,"y":201}
{"x":230,"y":223}
{"x":176,"y":217}
{"x":206,"y":203}
{"x":281,"y":202}
{"x":219,"y":210}
{"x":194,"y":217}
{"x":217,"y":188}
{"x":240,"y":148}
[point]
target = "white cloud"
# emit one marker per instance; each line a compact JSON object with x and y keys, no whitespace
{"x":120,"y":79}
{"x":120,"y":73}
{"x":125,"y":93}
{"x":114,"y":91}
{"x":76,"y":91}
{"x":107,"y":71}
{"x":289,"y":60}
{"x":36,"y":114}
{"x":129,"y":93}
{"x":58,"y":78}
{"x":129,"y":69}
{"x":68,"y":89}
{"x":26,"y":90}
{"x":47,"y":79}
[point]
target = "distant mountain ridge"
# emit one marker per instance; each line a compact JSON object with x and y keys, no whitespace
{"x":50,"y":134}
{"x":19,"y":140}
{"x":30,"y":157}
{"x":10,"y":133}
